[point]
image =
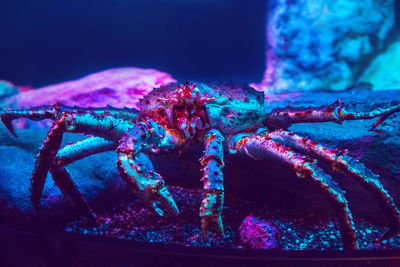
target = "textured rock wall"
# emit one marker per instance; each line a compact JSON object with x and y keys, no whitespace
{"x":324,"y":44}
{"x":384,"y":70}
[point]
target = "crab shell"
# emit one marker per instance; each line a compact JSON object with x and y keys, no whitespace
{"x":232,"y":109}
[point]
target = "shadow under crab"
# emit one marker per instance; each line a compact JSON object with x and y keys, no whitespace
{"x":224,"y":118}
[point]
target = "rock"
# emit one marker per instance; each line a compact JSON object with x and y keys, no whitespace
{"x":384,"y":70}
{"x":96,"y":177}
{"x":7,"y":89}
{"x":258,"y":234}
{"x":323,"y":44}
{"x":121,"y":87}
{"x":265,"y":181}
{"x":116,"y":87}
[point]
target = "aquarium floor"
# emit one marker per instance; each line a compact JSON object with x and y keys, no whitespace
{"x":297,"y":230}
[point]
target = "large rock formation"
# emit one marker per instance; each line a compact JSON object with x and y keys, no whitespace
{"x":116,"y":87}
{"x":384,"y":70}
{"x":323,"y":44}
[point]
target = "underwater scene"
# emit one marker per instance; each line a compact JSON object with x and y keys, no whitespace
{"x":214,"y":130}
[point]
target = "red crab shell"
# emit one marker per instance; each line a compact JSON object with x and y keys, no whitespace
{"x":230,"y":108}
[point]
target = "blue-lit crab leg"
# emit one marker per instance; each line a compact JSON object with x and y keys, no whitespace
{"x":107,"y":127}
{"x":136,"y":169}
{"x":336,"y":112}
{"x":213,"y":183}
{"x":55,"y":111}
{"x":82,"y":149}
{"x":44,"y":159}
{"x":263,"y":147}
{"x":339,"y":159}
{"x":62,"y":178}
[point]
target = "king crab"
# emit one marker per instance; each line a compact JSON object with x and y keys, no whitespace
{"x":226,"y":119}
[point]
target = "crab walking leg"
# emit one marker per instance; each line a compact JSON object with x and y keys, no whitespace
{"x":55,"y":111}
{"x":339,"y":159}
{"x":107,"y":127}
{"x":44,"y":159}
{"x":336,"y":112}
{"x":82,"y":149}
{"x":263,"y":147}
{"x":212,"y":162}
{"x":137,"y":170}
{"x":62,"y":178}
{"x":110,"y":123}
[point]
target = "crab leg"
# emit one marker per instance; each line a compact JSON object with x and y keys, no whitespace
{"x":212,"y":162}
{"x":55,"y":111}
{"x":83,"y":149}
{"x":137,"y":170}
{"x":339,"y":159}
{"x":336,"y":112}
{"x":44,"y":159}
{"x":107,"y":126}
{"x":62,"y":178}
{"x":263,"y":147}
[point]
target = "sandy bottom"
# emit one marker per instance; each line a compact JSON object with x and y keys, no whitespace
{"x":297,"y":230}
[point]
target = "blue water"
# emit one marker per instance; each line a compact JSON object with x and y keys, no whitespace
{"x":44,"y":42}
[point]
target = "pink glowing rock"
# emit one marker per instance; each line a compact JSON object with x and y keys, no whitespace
{"x":116,"y":87}
{"x":258,"y":234}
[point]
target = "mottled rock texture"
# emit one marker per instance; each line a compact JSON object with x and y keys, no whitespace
{"x":258,"y":234}
{"x":316,"y":44}
{"x":384,"y":70}
{"x":7,"y":89}
{"x":116,"y":87}
{"x":94,"y":176}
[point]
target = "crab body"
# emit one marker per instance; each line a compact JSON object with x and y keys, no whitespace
{"x":230,"y":109}
{"x":222,"y":118}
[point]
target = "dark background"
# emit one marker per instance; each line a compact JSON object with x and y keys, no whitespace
{"x":44,"y":42}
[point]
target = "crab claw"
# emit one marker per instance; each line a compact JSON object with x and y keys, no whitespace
{"x":158,"y":195}
{"x":137,"y":173}
{"x":210,"y":211}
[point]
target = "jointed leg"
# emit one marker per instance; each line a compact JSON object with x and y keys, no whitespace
{"x":51,"y":159}
{"x":54,"y":112}
{"x":60,"y":175}
{"x":263,"y":147}
{"x":62,"y":178}
{"x":336,"y":112}
{"x":212,"y":162}
{"x":106,"y":126}
{"x":110,"y":124}
{"x":83,"y":149}
{"x":136,"y":169}
{"x":45,"y":162}
{"x":339,"y":159}
{"x":138,"y":174}
{"x":45,"y":158}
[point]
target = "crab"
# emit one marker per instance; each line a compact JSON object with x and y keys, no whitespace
{"x":225,"y":119}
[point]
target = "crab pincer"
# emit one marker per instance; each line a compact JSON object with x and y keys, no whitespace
{"x":137,"y":173}
{"x":210,"y":211}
